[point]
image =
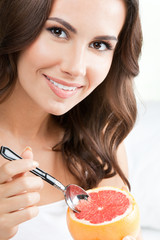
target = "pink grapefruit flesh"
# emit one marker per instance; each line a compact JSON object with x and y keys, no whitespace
{"x":103,"y":206}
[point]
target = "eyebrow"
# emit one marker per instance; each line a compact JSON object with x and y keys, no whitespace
{"x":72,"y":29}
{"x":106,"y":37}
{"x":64,"y":23}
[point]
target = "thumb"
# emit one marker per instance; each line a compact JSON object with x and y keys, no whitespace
{"x":129,"y":238}
{"x":27,"y":153}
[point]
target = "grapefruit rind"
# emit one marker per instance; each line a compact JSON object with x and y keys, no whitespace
{"x":116,"y":229}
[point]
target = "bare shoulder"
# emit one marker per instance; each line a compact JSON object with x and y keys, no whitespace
{"x":123,"y":162}
{"x":122,"y":158}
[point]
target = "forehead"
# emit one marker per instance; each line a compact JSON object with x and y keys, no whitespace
{"x":95,"y":14}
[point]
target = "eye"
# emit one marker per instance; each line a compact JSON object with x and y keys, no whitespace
{"x":101,"y":46}
{"x":58,"y":32}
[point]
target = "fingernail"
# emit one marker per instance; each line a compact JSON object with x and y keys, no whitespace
{"x":27,"y":148}
{"x":35,"y":164}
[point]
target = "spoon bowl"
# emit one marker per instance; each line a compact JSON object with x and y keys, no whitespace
{"x":73,"y":194}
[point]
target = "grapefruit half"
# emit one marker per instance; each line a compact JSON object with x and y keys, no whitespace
{"x":110,"y":213}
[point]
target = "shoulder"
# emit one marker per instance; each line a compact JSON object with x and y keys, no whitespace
{"x":123,"y":163}
{"x":122,"y":158}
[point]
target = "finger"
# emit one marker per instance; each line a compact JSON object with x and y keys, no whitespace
{"x":11,"y":169}
{"x":20,"y":185}
{"x":129,"y":238}
{"x":27,"y":153}
{"x":19,"y":202}
{"x":7,"y":233}
{"x":17,"y":176}
{"x":24,"y":215}
{"x":13,"y":219}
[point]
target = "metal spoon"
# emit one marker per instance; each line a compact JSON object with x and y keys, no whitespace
{"x":72,"y":193}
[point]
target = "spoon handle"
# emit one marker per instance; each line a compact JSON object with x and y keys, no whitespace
{"x":8,"y":154}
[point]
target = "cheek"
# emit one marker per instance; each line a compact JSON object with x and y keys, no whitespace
{"x":37,"y":57}
{"x":99,"y":72}
{"x":40,"y":55}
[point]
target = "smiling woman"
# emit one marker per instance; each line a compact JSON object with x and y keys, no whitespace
{"x":66,"y":91}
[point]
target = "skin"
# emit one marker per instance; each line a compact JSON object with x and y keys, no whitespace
{"x":80,"y":60}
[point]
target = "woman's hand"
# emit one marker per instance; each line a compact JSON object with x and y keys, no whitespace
{"x":129,"y":238}
{"x":19,"y":194}
{"x":139,"y":237}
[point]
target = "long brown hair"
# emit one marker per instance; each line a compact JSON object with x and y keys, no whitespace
{"x":95,"y":127}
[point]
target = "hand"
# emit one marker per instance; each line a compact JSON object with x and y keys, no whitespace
{"x":18,"y":194}
{"x":129,"y":238}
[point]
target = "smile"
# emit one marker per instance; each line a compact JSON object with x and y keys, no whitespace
{"x":61,"y":88}
{"x":66,"y":88}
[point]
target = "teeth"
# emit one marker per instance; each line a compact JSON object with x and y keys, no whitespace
{"x":66,"y":88}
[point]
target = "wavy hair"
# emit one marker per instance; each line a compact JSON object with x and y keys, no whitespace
{"x":95,"y":127}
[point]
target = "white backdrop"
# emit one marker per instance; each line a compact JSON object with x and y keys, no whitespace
{"x":148,"y":81}
{"x":143,"y":143}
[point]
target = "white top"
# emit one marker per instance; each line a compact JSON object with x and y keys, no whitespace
{"x":50,"y":224}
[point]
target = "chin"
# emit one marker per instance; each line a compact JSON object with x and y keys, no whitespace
{"x":59,"y":110}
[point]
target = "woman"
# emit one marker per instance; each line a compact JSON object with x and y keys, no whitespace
{"x":66,"y":76}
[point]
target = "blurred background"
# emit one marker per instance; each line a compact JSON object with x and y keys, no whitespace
{"x":148,"y":81}
{"x":143,"y":143}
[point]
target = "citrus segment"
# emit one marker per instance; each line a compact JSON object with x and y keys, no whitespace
{"x":110,"y":213}
{"x":103,"y":206}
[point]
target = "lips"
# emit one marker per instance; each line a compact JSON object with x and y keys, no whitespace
{"x":61,"y":88}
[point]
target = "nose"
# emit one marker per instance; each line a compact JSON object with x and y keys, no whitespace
{"x":74,"y":63}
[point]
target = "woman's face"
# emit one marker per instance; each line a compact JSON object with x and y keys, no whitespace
{"x":73,"y":53}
